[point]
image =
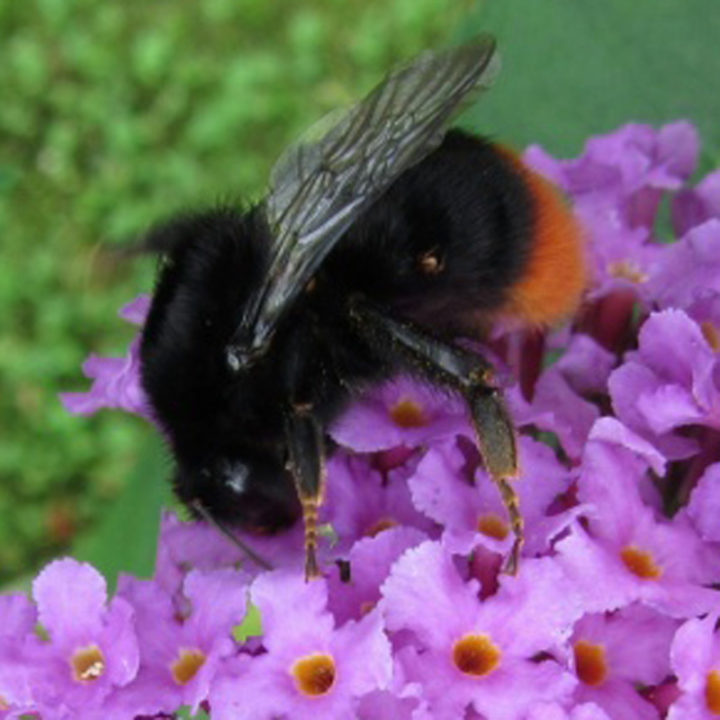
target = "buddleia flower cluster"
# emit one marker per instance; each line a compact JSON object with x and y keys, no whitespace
{"x":613,"y":612}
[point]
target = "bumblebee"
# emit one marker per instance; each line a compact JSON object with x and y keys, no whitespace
{"x":379,"y":243}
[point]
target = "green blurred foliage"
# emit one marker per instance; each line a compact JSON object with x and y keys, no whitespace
{"x":113,"y":115}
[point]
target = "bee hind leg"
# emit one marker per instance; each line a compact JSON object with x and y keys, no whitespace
{"x":465,"y":372}
{"x":306,"y":463}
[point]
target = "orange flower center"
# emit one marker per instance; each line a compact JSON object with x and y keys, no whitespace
{"x":88,"y":663}
{"x":590,"y":663}
{"x":314,"y":674}
{"x":640,"y":563}
{"x":381,"y":525}
{"x":711,"y":334}
{"x":493,"y":526}
{"x":407,"y":413}
{"x":627,"y":270}
{"x":476,"y":655}
{"x":189,"y":661}
{"x":712,"y":692}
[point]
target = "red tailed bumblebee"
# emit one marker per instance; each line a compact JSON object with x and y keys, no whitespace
{"x":377,"y":245}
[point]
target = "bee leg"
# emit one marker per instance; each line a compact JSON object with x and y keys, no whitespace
{"x":306,"y":454}
{"x":496,"y":439}
{"x":465,"y":372}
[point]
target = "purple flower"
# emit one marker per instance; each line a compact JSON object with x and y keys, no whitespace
{"x":406,"y":704}
{"x":136,"y":310}
{"x":614,"y":654}
{"x":616,"y":186}
{"x":185,"y":545}
{"x":369,"y":562}
{"x":116,"y":381}
{"x":451,"y":489}
{"x":19,"y":617}
{"x":362,"y":501}
{"x":556,"y":407}
{"x":695,"y":657}
{"x":624,"y":162}
{"x":401,"y":412}
{"x":310,"y":668}
{"x":116,"y":384}
{"x":693,"y":206}
{"x":688,"y":271}
{"x":704,"y":506}
{"x":468,"y":652}
{"x":585,"y":365}
{"x":555,"y":711}
{"x":183,"y":639}
{"x":562,"y":397}
{"x":646,"y":558}
{"x":669,"y":382}
{"x":91,"y":648}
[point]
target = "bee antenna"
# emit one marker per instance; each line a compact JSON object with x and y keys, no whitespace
{"x":207,"y":516}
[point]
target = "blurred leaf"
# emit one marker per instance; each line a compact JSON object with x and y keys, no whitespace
{"x":126,"y":538}
{"x":574,"y":68}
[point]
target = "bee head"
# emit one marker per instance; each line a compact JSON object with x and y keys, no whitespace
{"x":256,"y":494}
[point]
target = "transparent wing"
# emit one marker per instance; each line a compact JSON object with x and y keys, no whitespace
{"x":318,"y":188}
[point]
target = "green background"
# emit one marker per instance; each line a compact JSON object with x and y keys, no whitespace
{"x":116,"y":114}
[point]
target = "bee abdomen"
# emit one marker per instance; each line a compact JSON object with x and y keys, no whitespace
{"x":554,"y":276}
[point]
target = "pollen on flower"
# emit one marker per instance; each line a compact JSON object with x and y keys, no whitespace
{"x":367,"y":607}
{"x":88,"y":663}
{"x":188,"y":662}
{"x":314,"y":674}
{"x":407,"y":413}
{"x":493,"y":526}
{"x":640,"y":563}
{"x":712,"y":692}
{"x":711,"y":334}
{"x":627,"y":270}
{"x":476,"y":655}
{"x":4,"y":705}
{"x":384,"y":523}
{"x":590,"y":663}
